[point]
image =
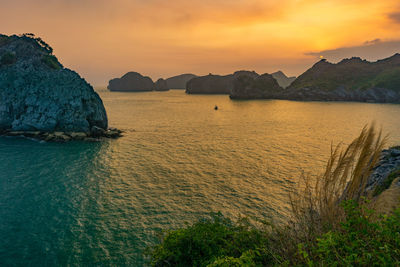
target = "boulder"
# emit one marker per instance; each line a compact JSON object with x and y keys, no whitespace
{"x":97,"y":132}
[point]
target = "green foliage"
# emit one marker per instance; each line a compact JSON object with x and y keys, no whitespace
{"x":389,"y":79}
{"x":359,"y":241}
{"x":216,"y":242}
{"x":387,"y":182}
{"x":247,"y":259}
{"x":52,"y":62}
{"x":8,"y":58}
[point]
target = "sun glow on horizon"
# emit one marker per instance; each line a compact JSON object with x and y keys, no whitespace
{"x":159,"y":38}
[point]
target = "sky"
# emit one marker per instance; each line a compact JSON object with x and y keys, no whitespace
{"x":104,"y":39}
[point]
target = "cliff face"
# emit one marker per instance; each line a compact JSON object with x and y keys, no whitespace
{"x":38,"y":94}
{"x":179,"y":82}
{"x":131,"y":81}
{"x":349,"y":80}
{"x":215,"y":84}
{"x":250,"y":87}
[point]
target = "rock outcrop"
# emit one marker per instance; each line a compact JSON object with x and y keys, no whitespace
{"x":37,"y":94}
{"x":282,"y":79}
{"x":250,"y":87}
{"x":387,"y":169}
{"x":215,"y":84}
{"x":161,"y":85}
{"x":179,"y":82}
{"x":131,"y":81}
{"x":349,"y":80}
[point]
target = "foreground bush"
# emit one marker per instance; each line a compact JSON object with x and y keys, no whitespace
{"x":216,"y":241}
{"x":330,"y":224}
{"x":360,"y":241}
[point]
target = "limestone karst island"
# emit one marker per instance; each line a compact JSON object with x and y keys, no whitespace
{"x":200,"y":133}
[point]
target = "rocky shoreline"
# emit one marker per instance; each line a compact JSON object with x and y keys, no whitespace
{"x":388,"y":165}
{"x":97,"y":134}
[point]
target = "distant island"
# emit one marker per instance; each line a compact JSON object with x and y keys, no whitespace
{"x":351,"y":79}
{"x":40,"y":98}
{"x":217,"y":84}
{"x":179,"y":81}
{"x":136,"y":82}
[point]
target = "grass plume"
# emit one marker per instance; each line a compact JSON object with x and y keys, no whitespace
{"x":316,"y":206}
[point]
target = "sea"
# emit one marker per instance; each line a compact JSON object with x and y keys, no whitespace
{"x":102,"y":203}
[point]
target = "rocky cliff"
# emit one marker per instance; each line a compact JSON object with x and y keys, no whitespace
{"x":349,"y":80}
{"x":38,"y":94}
{"x":179,"y":82}
{"x":131,"y":81}
{"x":215,"y":84}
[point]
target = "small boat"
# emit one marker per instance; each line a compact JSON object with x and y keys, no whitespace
{"x":216,"y":107}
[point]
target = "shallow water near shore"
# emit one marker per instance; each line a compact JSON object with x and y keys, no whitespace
{"x":102,"y":203}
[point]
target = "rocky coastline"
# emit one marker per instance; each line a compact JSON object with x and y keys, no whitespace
{"x":97,"y":134}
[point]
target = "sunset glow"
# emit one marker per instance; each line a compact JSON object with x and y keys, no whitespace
{"x":103,"y":39}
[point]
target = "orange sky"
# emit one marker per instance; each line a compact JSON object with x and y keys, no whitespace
{"x":102,"y":39}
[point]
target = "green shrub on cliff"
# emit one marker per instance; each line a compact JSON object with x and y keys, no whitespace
{"x":215,"y":241}
{"x":360,"y":241}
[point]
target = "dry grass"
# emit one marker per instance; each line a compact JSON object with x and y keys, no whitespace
{"x":316,"y":205}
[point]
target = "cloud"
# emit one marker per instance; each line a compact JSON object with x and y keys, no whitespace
{"x":370,"y":50}
{"x":372,"y":42}
{"x":394,"y":16}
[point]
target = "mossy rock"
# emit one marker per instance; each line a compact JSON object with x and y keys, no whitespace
{"x":387,"y":182}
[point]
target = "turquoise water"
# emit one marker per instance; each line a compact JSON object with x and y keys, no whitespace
{"x":102,"y":203}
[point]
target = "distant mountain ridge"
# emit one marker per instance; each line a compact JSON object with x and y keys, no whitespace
{"x":179,"y":81}
{"x":215,"y":84}
{"x":224,"y":84}
{"x":351,"y":79}
{"x":282,"y":79}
